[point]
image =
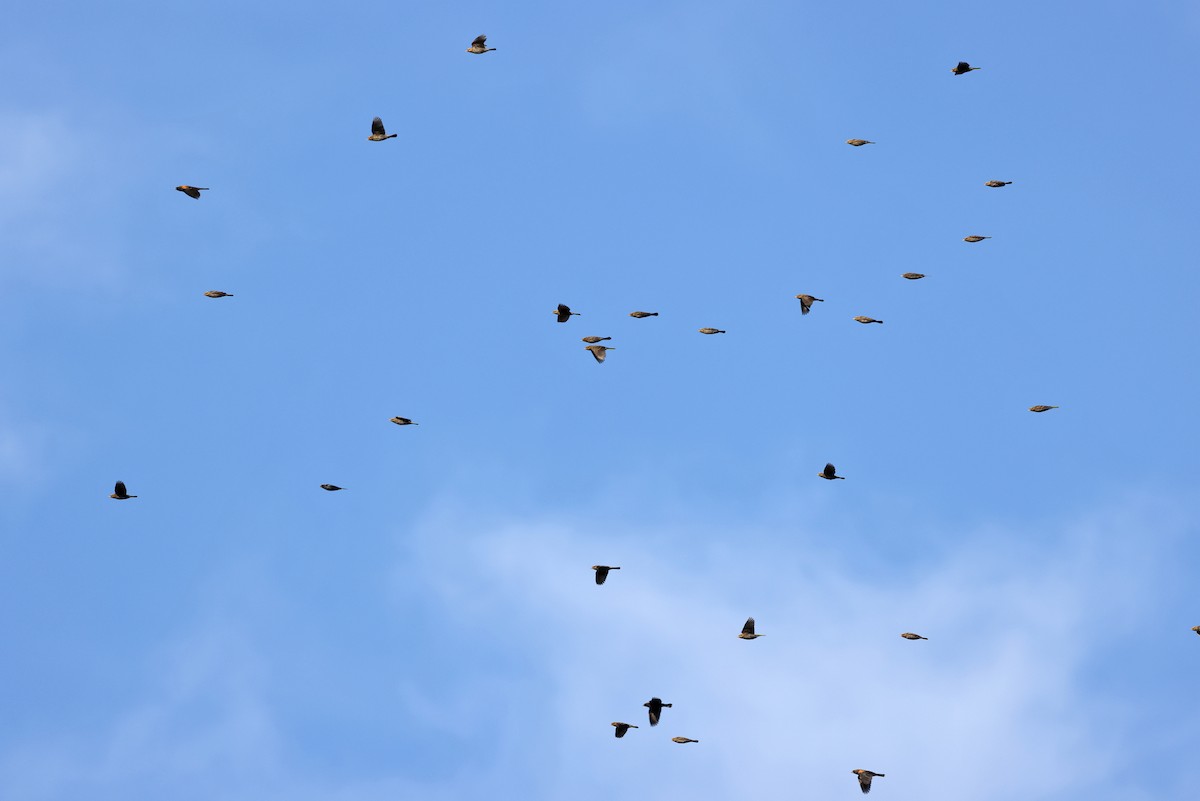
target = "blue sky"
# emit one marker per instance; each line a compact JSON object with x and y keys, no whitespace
{"x":235,"y":633}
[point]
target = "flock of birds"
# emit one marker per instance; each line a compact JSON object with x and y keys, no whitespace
{"x":563,"y":314}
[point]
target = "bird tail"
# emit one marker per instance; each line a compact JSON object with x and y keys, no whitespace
{"x":666,"y":705}
{"x":391,"y":136}
{"x":843,"y":478}
{"x":490,"y":49}
{"x":200,"y":188}
{"x":131,"y":496}
{"x":653,"y":314}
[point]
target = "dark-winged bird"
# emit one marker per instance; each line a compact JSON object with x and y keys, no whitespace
{"x":217,"y":294}
{"x":830,"y":473}
{"x":655,"y":705}
{"x":996,"y":184}
{"x":1041,"y":408}
{"x":748,"y":630}
{"x":806,"y":302}
{"x":962,"y":68}
{"x":622,"y":728}
{"x":191,"y":191}
{"x":601,"y":575}
{"x":711,"y":331}
{"x":858,"y":142}
{"x":908,"y":635}
{"x":864,"y":778}
{"x":564,"y":313}
{"x":378,"y":132}
{"x":641,"y":314}
{"x":913,"y":276}
{"x":683,"y":740}
{"x":867,"y":320}
{"x":599,"y":352}
{"x":594,"y":340}
{"x":975,"y":238}
{"x":403,"y":421}
{"x":119,"y":492}
{"x":331,"y":487}
{"x":479,"y":45}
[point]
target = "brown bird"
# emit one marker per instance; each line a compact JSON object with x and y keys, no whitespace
{"x":599,"y":352}
{"x":830,"y":473}
{"x":655,"y":705}
{"x":711,"y":331}
{"x":216,"y":294}
{"x":864,"y":778}
{"x":806,"y":302}
{"x":331,"y":487}
{"x":1041,"y":408}
{"x":748,"y":631}
{"x":908,"y":635}
{"x":378,"y":133}
{"x":191,"y":191}
{"x":997,"y":183}
{"x":867,"y":320}
{"x":858,"y":142}
{"x":962,"y":68}
{"x":913,"y":276}
{"x":622,"y":728}
{"x":479,"y":45}
{"x":640,"y":314}
{"x":403,"y":421}
{"x":601,"y":575}
{"x":594,"y":340}
{"x":1196,"y":629}
{"x":683,"y":740}
{"x":119,"y":492}
{"x":564,"y":313}
{"x":974,"y":238}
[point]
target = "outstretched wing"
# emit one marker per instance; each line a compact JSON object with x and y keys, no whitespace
{"x":120,"y":489}
{"x":599,"y":351}
{"x":601,"y":574}
{"x":480,"y":41}
{"x":961,"y":67}
{"x":377,"y":128}
{"x":749,"y":627}
{"x":830,"y":471}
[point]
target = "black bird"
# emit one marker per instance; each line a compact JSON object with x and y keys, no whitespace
{"x":191,"y":191}
{"x":564,"y":313}
{"x":378,"y":133}
{"x":830,"y":473}
{"x":119,"y":492}
{"x":331,"y":487}
{"x":655,"y":705}
{"x":601,"y":575}
{"x":622,"y":728}
{"x":962,"y":68}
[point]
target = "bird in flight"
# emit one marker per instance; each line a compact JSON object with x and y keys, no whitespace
{"x":378,"y":132}
{"x":683,"y":740}
{"x":640,"y":314}
{"x":331,"y":487}
{"x":119,"y":492}
{"x":997,"y":184}
{"x":622,"y":728}
{"x":858,"y":142}
{"x":864,"y":778}
{"x":908,"y":635}
{"x":1196,"y":629}
{"x":655,"y":705}
{"x":1041,"y":408}
{"x":913,"y":276}
{"x":594,"y":340}
{"x":599,"y":352}
{"x":962,"y":68}
{"x":479,"y":45}
{"x":711,"y":331}
{"x":191,"y":191}
{"x":601,"y":576}
{"x":806,"y":302}
{"x":748,"y":631}
{"x":216,"y":294}
{"x":830,"y":473}
{"x":975,"y":238}
{"x":564,"y":313}
{"x":403,"y":421}
{"x":867,"y":320}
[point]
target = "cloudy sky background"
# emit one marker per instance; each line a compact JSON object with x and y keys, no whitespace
{"x":237,"y":634}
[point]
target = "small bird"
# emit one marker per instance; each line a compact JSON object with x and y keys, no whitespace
{"x":216,"y":294}
{"x":908,"y":635}
{"x":594,"y":340}
{"x":479,"y":45}
{"x":806,"y":302}
{"x":864,"y":778}
{"x":858,"y":142}
{"x":867,"y":320}
{"x":655,"y":705}
{"x":640,"y":314}
{"x":601,"y":575}
{"x":191,"y":191}
{"x":119,"y":492}
{"x":1196,"y":629}
{"x":748,"y":631}
{"x":913,"y":276}
{"x":378,"y":132}
{"x":997,"y":183}
{"x":622,"y":728}
{"x":974,"y":238}
{"x":1041,"y":408}
{"x":599,"y":352}
{"x":830,"y":473}
{"x":683,"y":740}
{"x":331,"y":487}
{"x":403,"y":421}
{"x":962,"y":68}
{"x":711,"y":331}
{"x":564,"y":313}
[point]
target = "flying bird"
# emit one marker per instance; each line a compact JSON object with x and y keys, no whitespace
{"x":479,"y":45}
{"x":601,"y":575}
{"x":858,"y":142}
{"x":641,"y":314}
{"x":594,"y":340}
{"x":997,"y":183}
{"x":974,"y":238}
{"x":1041,"y":408}
{"x":806,"y":302}
{"x":748,"y":630}
{"x":622,"y":728}
{"x":867,"y":320}
{"x":908,"y":635}
{"x":331,"y":487}
{"x":217,"y":294}
{"x":913,"y":276}
{"x":119,"y":492}
{"x":864,"y":778}
{"x":599,"y":352}
{"x":962,"y":68}
{"x":711,"y":331}
{"x":378,"y":132}
{"x":564,"y":313}
{"x":655,"y":705}
{"x":1196,"y":629}
{"x":830,"y":473}
{"x":191,"y":191}
{"x":403,"y":421}
{"x":683,"y":740}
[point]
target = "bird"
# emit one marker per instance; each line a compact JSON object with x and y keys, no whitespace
{"x":403,"y":421}
{"x":830,"y":473}
{"x":962,"y":68}
{"x":1041,"y":408}
{"x":806,"y":302}
{"x":913,"y":276}
{"x":331,"y":487}
{"x":864,"y":778}
{"x":217,"y":294}
{"x":975,"y":238}
{"x":711,"y":331}
{"x":599,"y":352}
{"x":378,"y":132}
{"x":594,"y":340}
{"x":564,"y":313}
{"x":748,"y":631}
{"x":858,"y":142}
{"x":997,"y":183}
{"x":1196,"y":629}
{"x":640,"y":314}
{"x":622,"y":728}
{"x":191,"y":191}
{"x":655,"y":705}
{"x":908,"y":635}
{"x":867,"y":320}
{"x":119,"y":492}
{"x":601,"y":575}
{"x":683,"y":740}
{"x":479,"y":45}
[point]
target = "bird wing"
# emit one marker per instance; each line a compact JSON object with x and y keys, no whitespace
{"x":749,"y":627}
{"x":805,"y":305}
{"x":377,"y":128}
{"x":620,"y":732}
{"x":480,"y":41}
{"x":601,"y":574}
{"x":599,"y":352}
{"x":962,"y":65}
{"x":864,"y":781}
{"x":120,"y":488}
{"x":830,"y":471}
{"x":564,"y":312}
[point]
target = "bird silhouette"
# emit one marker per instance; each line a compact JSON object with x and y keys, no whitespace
{"x":683,"y":740}
{"x":1041,"y":408}
{"x":403,"y":421}
{"x":858,"y":142}
{"x":640,"y":314}
{"x":975,"y":238}
{"x":119,"y":492}
{"x":1196,"y":629}
{"x":602,"y":575}
{"x":622,"y":728}
{"x":655,"y":705}
{"x":864,"y":778}
{"x":331,"y":487}
{"x":806,"y":302}
{"x":748,"y":631}
{"x":711,"y":331}
{"x":997,"y":183}
{"x":599,"y":352}
{"x":191,"y":191}
{"x":962,"y":68}
{"x":830,"y":473}
{"x":378,"y":132}
{"x":564,"y":313}
{"x":594,"y":340}
{"x":913,"y":276}
{"x":908,"y":635}
{"x":867,"y":320}
{"x":479,"y":45}
{"x":217,"y":294}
